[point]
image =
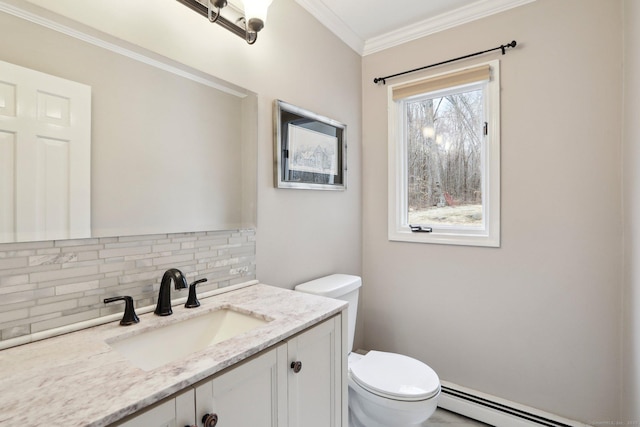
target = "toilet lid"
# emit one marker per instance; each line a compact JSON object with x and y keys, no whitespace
{"x":395,"y":376}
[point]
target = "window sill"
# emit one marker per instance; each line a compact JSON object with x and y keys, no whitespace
{"x":446,"y":238}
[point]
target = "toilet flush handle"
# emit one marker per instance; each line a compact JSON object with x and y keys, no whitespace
{"x":296,"y":366}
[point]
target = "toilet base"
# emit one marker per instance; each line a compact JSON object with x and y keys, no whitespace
{"x":362,"y":414}
{"x":354,"y":422}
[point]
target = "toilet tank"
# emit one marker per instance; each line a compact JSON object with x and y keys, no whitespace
{"x":338,"y":286}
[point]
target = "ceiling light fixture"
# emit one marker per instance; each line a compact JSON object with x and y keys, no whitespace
{"x":255,"y":15}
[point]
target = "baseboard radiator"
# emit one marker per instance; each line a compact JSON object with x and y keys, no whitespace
{"x":496,"y":411}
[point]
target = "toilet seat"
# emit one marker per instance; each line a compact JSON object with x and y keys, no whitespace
{"x":395,"y":376}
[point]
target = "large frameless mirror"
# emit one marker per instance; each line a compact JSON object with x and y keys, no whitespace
{"x":172,"y":149}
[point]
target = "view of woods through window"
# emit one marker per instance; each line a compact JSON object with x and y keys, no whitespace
{"x":444,"y":159}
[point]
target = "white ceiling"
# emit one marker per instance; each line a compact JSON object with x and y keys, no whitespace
{"x":369,"y":26}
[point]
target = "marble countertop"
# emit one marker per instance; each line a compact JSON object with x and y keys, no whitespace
{"x":77,"y":379}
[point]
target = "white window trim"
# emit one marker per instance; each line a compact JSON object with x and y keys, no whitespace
{"x":489,"y":234}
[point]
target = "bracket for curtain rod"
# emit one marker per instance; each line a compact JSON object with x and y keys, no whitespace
{"x":503,"y":48}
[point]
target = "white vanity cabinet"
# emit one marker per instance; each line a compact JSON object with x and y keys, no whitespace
{"x":315,"y":392}
{"x":297,"y":383}
{"x":252,"y":393}
{"x":175,"y":412}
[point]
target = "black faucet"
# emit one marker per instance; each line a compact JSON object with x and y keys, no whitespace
{"x":164,"y":297}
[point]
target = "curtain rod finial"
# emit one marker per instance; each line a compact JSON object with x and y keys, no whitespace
{"x":505,"y":46}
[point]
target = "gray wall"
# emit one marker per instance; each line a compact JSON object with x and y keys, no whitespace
{"x":536,"y":321}
{"x":631,"y":166}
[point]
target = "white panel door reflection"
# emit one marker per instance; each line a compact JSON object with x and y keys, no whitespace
{"x":45,"y":156}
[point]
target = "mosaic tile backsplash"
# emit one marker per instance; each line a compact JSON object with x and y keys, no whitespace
{"x":46,"y":285}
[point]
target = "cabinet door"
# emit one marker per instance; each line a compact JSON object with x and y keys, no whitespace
{"x":252,"y":394}
{"x":315,"y":391}
{"x":175,"y":412}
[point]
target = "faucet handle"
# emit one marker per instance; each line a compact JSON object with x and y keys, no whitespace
{"x":130,"y":317}
{"x":192,"y":299}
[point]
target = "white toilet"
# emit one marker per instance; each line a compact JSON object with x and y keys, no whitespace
{"x":385,"y":389}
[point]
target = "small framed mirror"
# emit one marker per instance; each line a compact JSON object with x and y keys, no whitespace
{"x":310,"y":150}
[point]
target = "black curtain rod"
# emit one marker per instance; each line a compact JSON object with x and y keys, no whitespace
{"x":501,"y":47}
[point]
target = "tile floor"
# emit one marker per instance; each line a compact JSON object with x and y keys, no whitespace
{"x":444,"y":418}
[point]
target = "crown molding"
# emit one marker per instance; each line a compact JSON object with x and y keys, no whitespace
{"x":474,"y":11}
{"x":463,"y":15}
{"x":333,"y":22}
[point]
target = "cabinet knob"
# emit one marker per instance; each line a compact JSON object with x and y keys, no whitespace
{"x":296,"y":366}
{"x":210,"y":420}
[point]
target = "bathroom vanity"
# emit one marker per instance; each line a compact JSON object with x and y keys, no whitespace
{"x":277,"y":358}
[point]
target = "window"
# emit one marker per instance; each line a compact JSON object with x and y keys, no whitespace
{"x":444,"y":158}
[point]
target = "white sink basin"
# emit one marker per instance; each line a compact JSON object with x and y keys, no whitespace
{"x":157,"y":347}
